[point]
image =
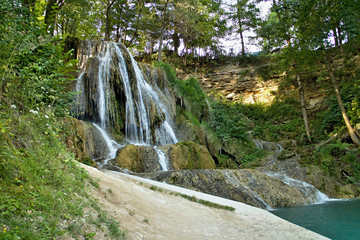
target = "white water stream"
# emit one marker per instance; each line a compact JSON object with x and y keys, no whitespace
{"x":111,"y":145}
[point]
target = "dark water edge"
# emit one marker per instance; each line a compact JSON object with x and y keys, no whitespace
{"x":335,"y":219}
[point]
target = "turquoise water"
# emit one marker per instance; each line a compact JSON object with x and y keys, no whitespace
{"x":333,"y":219}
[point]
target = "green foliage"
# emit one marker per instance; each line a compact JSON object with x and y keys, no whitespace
{"x":193,"y":97}
{"x":41,"y":185}
{"x":336,"y":156}
{"x":34,"y":69}
{"x":228,"y":122}
{"x":276,"y":121}
{"x":42,"y":188}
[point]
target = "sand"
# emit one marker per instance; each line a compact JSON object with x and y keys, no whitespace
{"x":149,"y":214}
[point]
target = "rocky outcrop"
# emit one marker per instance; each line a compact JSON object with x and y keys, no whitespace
{"x":138,"y":158}
{"x":289,"y":163}
{"x":85,"y":140}
{"x":188,"y":155}
{"x":247,"y":85}
{"x":252,"y":187}
{"x":183,"y":155}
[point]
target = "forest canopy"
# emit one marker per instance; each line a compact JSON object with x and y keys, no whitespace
{"x":191,"y":26}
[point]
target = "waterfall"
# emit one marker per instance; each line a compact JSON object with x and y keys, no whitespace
{"x":162,"y":159}
{"x":112,"y":146}
{"x":103,"y":77}
{"x":146,"y":90}
{"x":140,"y":99}
{"x":308,"y":190}
{"x":131,"y":130}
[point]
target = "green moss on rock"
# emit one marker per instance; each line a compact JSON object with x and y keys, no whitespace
{"x":189,"y":155}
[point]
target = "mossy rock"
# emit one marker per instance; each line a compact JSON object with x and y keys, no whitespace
{"x":138,"y":158}
{"x":188,"y":155}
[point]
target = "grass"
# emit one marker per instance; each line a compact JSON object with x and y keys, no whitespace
{"x":207,"y":203}
{"x":44,"y":194}
{"x":194,"y":199}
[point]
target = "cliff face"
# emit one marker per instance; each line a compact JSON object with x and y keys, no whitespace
{"x":243,"y":85}
{"x":254,"y":83}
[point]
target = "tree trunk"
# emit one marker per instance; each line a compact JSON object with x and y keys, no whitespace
{"x":107,"y":25}
{"x":118,"y":33}
{"x":336,"y":39}
{"x":162,"y":31}
{"x":242,"y":43}
{"x":176,"y":42}
{"x":302,"y":101}
{"x":334,"y":83}
{"x":52,"y":7}
{"x":137,"y":23}
{"x":107,"y":19}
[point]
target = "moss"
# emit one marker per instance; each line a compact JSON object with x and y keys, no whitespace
{"x":128,"y":157}
{"x":189,"y":155}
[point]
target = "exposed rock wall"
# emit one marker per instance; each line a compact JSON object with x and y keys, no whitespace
{"x":244,"y":85}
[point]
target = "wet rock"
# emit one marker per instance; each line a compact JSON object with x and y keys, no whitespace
{"x":85,"y":140}
{"x":138,"y":158}
{"x":188,"y":155}
{"x":252,"y":187}
{"x":312,"y":174}
{"x":273,"y":147}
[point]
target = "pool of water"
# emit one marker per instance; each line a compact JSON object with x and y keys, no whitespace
{"x":336,"y":219}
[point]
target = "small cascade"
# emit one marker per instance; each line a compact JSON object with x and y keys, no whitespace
{"x":80,"y":98}
{"x":208,"y":104}
{"x":162,"y":159}
{"x":268,"y":146}
{"x":148,"y":120}
{"x":313,"y":194}
{"x":112,"y":145}
{"x":252,"y":193}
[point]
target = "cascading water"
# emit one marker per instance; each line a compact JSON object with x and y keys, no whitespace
{"x":112,"y":145}
{"x":140,"y":98}
{"x":308,"y":190}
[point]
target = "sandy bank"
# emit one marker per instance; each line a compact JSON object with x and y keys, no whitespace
{"x":148,"y":214}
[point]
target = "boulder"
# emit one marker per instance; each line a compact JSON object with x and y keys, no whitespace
{"x":85,"y":140}
{"x":188,"y":155}
{"x":138,"y":158}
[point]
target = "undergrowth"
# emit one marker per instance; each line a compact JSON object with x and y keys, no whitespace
{"x":44,"y":194}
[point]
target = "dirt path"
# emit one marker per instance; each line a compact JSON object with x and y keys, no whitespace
{"x":148,"y":214}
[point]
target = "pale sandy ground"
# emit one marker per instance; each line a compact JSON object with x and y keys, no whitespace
{"x":148,"y":214}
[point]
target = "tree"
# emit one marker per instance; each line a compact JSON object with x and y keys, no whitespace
{"x":108,"y":27}
{"x":316,"y":35}
{"x":281,"y":26}
{"x":244,"y":16}
{"x":52,"y":8}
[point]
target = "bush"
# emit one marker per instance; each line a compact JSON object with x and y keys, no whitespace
{"x":228,"y":122}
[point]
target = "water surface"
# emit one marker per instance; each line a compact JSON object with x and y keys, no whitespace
{"x":334,"y":219}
